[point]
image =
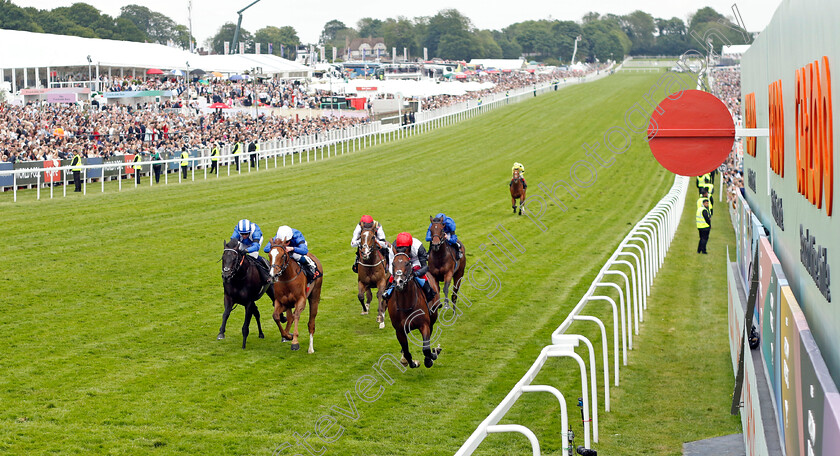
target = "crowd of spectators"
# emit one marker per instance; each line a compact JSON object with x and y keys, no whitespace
{"x":726,"y":85}
{"x":42,"y":131}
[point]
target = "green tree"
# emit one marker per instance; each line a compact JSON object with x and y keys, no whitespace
{"x":127,"y":31}
{"x":489,"y":48}
{"x":369,"y":27}
{"x":158,"y":27}
{"x":458,"y":45}
{"x":400,"y":33}
{"x":225,"y":33}
{"x":709,"y":25}
{"x":447,"y":22}
{"x":565,"y":33}
{"x":13,"y":17}
{"x":639,"y":27}
{"x":331,"y":29}
{"x":510,"y":49}
{"x":287,"y":36}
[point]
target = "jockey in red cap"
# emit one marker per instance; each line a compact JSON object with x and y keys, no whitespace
{"x":368,"y":223}
{"x":415,"y":250}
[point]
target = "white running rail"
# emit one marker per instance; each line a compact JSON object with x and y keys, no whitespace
{"x":290,"y":151}
{"x":646,"y":245}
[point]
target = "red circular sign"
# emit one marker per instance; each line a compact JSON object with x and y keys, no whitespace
{"x":691,"y":135}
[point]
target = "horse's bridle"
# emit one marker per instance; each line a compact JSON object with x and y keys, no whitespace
{"x":440,"y":237}
{"x":286,"y":263}
{"x":238,"y":265}
{"x":407,"y":270}
{"x":372,"y":251}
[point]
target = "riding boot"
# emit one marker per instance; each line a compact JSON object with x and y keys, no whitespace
{"x":356,"y":263}
{"x":457,"y":251}
{"x":262,"y":266}
{"x":385,"y":256}
{"x":312,"y":267}
{"x":427,"y":290}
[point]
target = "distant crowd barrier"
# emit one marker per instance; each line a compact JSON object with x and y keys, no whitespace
{"x":43,"y":175}
{"x":642,"y":252}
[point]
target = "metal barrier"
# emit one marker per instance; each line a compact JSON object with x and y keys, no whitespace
{"x":333,"y":142}
{"x":649,"y":241}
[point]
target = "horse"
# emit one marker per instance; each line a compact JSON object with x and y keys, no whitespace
{"x":241,"y":281}
{"x":291,"y":292}
{"x":409,"y":311}
{"x":442,"y":264}
{"x":373,"y":273}
{"x":517,"y":191}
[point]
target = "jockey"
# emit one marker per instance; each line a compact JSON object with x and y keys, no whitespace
{"x":298,"y":249}
{"x":449,"y":231}
{"x":250,"y":235}
{"x":367,"y":222}
{"x":412,"y":247}
{"x":521,"y":168}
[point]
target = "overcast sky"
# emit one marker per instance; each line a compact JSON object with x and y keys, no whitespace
{"x":309,"y":17}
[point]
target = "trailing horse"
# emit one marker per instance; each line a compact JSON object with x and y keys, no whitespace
{"x":409,"y":311}
{"x":242,"y":286}
{"x":442,"y":263}
{"x":372,"y":273}
{"x":291,"y":292}
{"x":517,"y":191}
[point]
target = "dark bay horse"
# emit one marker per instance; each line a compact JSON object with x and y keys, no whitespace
{"x":442,"y":264}
{"x":373,"y":273}
{"x":409,"y":311}
{"x":291,"y":292}
{"x":242,"y":285}
{"x":517,"y":191}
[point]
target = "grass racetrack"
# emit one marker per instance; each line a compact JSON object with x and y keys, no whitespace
{"x":112,"y":302}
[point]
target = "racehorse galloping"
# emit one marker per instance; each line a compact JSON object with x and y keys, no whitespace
{"x":409,"y":311}
{"x":242,"y":286}
{"x":373,"y":273}
{"x":291,"y":292}
{"x":517,"y":191}
{"x":442,"y":264}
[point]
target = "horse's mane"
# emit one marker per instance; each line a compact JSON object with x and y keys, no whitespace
{"x":437,"y":220}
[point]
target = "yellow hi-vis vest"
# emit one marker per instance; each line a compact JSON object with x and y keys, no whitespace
{"x":185,"y":158}
{"x":214,"y":154}
{"x":709,"y":199}
{"x":137,"y":159}
{"x":77,"y":162}
{"x":237,"y":149}
{"x":699,"y":219}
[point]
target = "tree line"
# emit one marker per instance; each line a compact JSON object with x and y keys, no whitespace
{"x":448,"y":34}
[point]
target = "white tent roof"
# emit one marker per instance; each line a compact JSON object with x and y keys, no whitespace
{"x":237,"y":63}
{"x":734,"y":49}
{"x":500,"y":64}
{"x":30,"y":50}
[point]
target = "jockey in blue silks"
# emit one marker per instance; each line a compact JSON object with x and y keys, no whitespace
{"x":449,"y":232}
{"x":298,"y":249}
{"x":249,"y":234}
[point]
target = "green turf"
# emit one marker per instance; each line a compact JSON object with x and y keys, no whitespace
{"x":111,"y":302}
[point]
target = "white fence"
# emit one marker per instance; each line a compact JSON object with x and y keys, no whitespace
{"x":646,"y":245}
{"x":285,"y":152}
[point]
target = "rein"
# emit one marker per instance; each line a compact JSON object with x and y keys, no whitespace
{"x":286,"y":262}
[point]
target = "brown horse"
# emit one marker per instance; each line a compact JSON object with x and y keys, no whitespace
{"x":409,"y":311}
{"x":517,"y":191}
{"x":291,"y":292}
{"x":373,"y":273}
{"x":442,"y":264}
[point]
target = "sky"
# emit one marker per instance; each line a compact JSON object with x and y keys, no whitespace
{"x":309,"y":17}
